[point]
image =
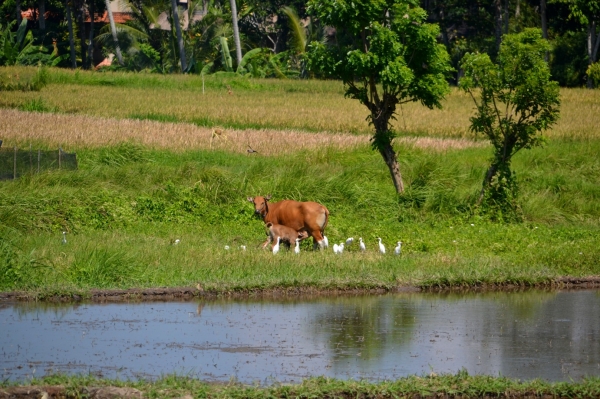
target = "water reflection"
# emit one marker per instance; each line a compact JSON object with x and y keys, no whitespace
{"x":535,"y":334}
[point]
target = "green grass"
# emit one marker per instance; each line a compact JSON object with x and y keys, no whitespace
{"x":126,"y":204}
{"x":447,"y":385}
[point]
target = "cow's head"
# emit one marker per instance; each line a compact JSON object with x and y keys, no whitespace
{"x":260,"y":205}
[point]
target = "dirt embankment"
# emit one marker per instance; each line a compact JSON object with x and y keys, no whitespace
{"x":176,"y":293}
{"x":60,"y":392}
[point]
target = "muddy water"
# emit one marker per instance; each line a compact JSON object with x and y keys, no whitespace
{"x":550,"y":335}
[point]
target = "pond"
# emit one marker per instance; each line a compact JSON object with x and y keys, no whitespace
{"x":553,"y":335}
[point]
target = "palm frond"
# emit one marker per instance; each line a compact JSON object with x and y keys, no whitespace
{"x":136,"y":34}
{"x":297,"y":29}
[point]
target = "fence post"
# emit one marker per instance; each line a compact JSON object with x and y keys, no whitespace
{"x":59,"y":151}
{"x":15,"y":164}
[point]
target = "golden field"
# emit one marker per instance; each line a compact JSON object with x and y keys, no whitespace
{"x":81,"y":131}
{"x":279,"y":117}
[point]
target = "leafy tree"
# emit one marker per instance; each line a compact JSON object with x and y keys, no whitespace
{"x":587,"y":12}
{"x":515,"y":101}
{"x":386,"y":54}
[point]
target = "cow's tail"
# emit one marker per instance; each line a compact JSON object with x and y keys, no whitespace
{"x":326,"y":219}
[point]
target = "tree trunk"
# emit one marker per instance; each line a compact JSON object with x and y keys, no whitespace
{"x":487,"y":181}
{"x":179,"y":36}
{"x":91,"y":37}
{"x":498,"y":27}
{"x":41,"y":16}
{"x":80,"y":20}
{"x":113,"y":29}
{"x":71,"y":38}
{"x":544,"y":25}
{"x":506,"y":17}
{"x":236,"y":32}
{"x":591,"y":44}
{"x":389,"y":156}
{"x":18,"y":12}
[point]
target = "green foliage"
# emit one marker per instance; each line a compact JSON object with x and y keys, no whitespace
{"x":390,"y":56}
{"x":17,"y":48}
{"x":13,"y":46}
{"x":569,"y":61}
{"x":515,"y":101}
{"x":593,"y":73}
{"x":402,"y":53}
{"x":226,"y":59}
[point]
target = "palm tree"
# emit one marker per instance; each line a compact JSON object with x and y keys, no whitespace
{"x":41,"y":12}
{"x":91,"y":37}
{"x":114,"y":32}
{"x":71,"y":39}
{"x":179,"y":36}
{"x":236,"y":32}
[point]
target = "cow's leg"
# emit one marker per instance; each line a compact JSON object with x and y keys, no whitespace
{"x":269,"y":240}
{"x":317,"y":239}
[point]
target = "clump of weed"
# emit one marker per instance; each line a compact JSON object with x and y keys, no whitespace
{"x":37,"y":105}
{"x":120,"y":155}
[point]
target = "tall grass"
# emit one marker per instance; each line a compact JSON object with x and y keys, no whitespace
{"x":127,"y":204}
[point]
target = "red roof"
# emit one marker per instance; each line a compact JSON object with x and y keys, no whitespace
{"x":119,"y":17}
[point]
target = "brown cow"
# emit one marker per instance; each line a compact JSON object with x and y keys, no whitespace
{"x":287,"y":234}
{"x":310,"y":217}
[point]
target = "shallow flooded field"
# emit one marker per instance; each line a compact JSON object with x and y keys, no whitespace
{"x":554,"y":335}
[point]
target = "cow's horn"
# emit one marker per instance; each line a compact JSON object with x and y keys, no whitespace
{"x":251,"y":199}
{"x":268,"y":197}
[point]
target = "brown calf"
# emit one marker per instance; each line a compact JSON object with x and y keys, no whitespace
{"x":287,"y":234}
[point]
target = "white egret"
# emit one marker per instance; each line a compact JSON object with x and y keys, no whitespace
{"x":398,"y":248}
{"x":297,"y":248}
{"x":341,"y":248}
{"x":276,"y":246}
{"x":64,"y":239}
{"x":325,"y":242}
{"x":381,"y":246}
{"x":362,"y":246}
{"x":336,"y":248}
{"x":243,"y":247}
{"x":226,"y":247}
{"x":349,"y":241}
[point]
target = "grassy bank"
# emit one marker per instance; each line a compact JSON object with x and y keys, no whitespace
{"x":126,"y":205}
{"x":459,"y":385}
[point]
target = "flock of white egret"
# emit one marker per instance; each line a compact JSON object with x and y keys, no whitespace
{"x":339,"y":248}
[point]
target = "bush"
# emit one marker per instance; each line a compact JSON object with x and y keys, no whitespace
{"x":593,"y":72}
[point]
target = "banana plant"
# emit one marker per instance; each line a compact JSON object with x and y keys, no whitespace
{"x":15,"y":46}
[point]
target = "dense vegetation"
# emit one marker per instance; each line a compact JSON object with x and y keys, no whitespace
{"x":274,"y":35}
